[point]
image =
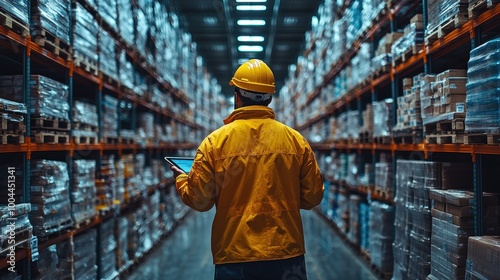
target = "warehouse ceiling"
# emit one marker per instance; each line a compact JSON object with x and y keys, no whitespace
{"x":214,"y":27}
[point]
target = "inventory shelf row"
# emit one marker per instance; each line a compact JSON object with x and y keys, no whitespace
{"x":371,"y":192}
{"x":454,"y":39}
{"x":426,"y":148}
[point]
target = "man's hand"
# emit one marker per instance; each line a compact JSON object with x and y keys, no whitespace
{"x":177,"y":171}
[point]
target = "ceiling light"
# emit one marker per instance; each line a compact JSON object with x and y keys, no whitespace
{"x":210,"y":20}
{"x":251,"y":38}
{"x":251,"y":22}
{"x":251,"y":8}
{"x":251,"y":1}
{"x":290,"y":20}
{"x":247,"y":48}
{"x":219,"y":48}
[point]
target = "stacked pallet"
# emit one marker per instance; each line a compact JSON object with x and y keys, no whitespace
{"x":106,"y":183}
{"x":17,"y":235}
{"x":477,"y":7}
{"x":84,"y":38}
{"x":381,"y":62}
{"x":443,"y":17}
{"x":381,"y":223}
{"x":12,"y":127}
{"x":410,"y":43}
{"x":366,"y":130}
{"x":408,"y":128}
{"x":107,"y":254}
{"x":85,"y":123}
{"x":382,"y":120}
{"x":482,"y":258}
{"x":50,"y":200}
{"x":85,"y":256}
{"x":110,"y":120}
{"x":83,"y":191}
{"x":14,"y":16}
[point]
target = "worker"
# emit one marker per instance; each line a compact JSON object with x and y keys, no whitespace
{"x":259,"y":173}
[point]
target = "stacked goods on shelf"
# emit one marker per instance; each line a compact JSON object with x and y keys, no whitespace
{"x":381,"y":62}
{"x":152,"y":208}
{"x":120,"y":180}
{"x":108,"y":249}
{"x":443,"y":101}
{"x":139,"y":165}
{"x":49,"y":106}
{"x":411,"y":247}
{"x":341,"y":217}
{"x":371,"y":9}
{"x":353,"y":22}
{"x":383,"y":179}
{"x":106,"y":182}
{"x":16,"y":233}
{"x":364,"y":220}
{"x":368,"y":177}
{"x":410,"y":43}
{"x":143,"y":34}
{"x":409,"y":115}
{"x":444,"y":16}
{"x":84,"y":39}
{"x":107,"y":56}
{"x":46,"y":266}
{"x":126,"y":70}
{"x":382,"y":120}
{"x":130,"y":185}
{"x":381,"y":236}
{"x":12,"y":127}
{"x":65,"y":252}
{"x":85,"y":123}
{"x":122,"y":226}
{"x":107,"y":9}
{"x":125,"y":111}
{"x":50,"y":25}
{"x":452,"y":224}
{"x":85,"y":255}
{"x":354,"y":223}
{"x":17,"y":8}
{"x":145,"y":128}
{"x":483,"y":261}
{"x":359,"y":69}
{"x":483,"y":94}
{"x":366,"y":130}
{"x":50,"y":200}
{"x":83,"y":191}
{"x":352,"y":177}
{"x":110,"y":119}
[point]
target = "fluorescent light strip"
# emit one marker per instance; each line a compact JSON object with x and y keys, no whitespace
{"x":251,"y":8}
{"x":251,"y":38}
{"x":251,"y":22}
{"x":247,"y":48}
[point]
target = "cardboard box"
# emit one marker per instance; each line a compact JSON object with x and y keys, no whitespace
{"x":463,"y":222}
{"x":439,"y":205}
{"x":452,"y":73}
{"x":460,"y":211}
{"x":417,"y":18}
{"x":408,"y":82}
{"x":483,"y":256}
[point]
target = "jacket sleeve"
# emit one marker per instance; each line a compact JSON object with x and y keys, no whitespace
{"x":311,"y":181}
{"x":197,"y":190}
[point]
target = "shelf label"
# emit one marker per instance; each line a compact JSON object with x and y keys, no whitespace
{"x":34,"y":249}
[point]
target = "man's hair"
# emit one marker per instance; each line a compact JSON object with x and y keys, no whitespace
{"x":249,"y":102}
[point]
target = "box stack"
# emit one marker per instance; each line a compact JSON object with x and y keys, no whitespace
{"x":382,"y":118}
{"x":51,"y":20}
{"x":46,"y":266}
{"x":444,"y":16}
{"x":17,"y":8}
{"x":83,"y":191}
{"x":410,"y":43}
{"x":450,"y":92}
{"x":108,"y":61}
{"x":50,"y":202}
{"x":84,"y":39}
{"x":122,"y":227}
{"x":354,"y":225}
{"x":108,"y":11}
{"x":364,"y":220}
{"x":381,"y":62}
{"x":110,"y":118}
{"x":452,"y":224}
{"x":12,"y":126}
{"x":366,"y":131}
{"x":381,"y":236}
{"x":108,"y":250}
{"x":483,"y":94}
{"x":106,"y":182}
{"x":483,"y":257}
{"x":84,"y":255}
{"x":23,"y":231}
{"x":427,"y":86}
{"x":383,"y":179}
{"x":145,"y":128}
{"x":409,"y":115}
{"x":85,"y":123}
{"x":131,"y":188}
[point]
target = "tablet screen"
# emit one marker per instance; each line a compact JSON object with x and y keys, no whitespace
{"x":183,"y":163}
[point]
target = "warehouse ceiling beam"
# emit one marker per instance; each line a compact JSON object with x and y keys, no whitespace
{"x":272,"y":33}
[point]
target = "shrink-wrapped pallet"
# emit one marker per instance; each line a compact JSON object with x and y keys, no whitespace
{"x":52,"y":16}
{"x":17,"y":8}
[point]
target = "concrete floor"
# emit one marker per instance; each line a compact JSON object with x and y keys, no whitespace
{"x":186,"y":253}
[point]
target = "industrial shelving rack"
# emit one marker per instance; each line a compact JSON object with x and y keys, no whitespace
{"x":449,"y":52}
{"x":20,"y":55}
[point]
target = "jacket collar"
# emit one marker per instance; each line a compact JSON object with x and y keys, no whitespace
{"x":250,"y":112}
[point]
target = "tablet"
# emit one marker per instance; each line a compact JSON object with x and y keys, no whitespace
{"x":184,"y":163}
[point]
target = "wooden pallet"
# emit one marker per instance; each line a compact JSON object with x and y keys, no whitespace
{"x":383,"y":193}
{"x":8,"y":124}
{"x":381,"y":71}
{"x":82,"y":61}
{"x":21,"y":238}
{"x":127,"y":141}
{"x":110,"y":80}
{"x":366,"y":137}
{"x":482,"y":138}
{"x":110,"y":140}
{"x":52,"y":43}
{"x":50,"y":137}
{"x":81,"y":140}
{"x":408,"y":136}
{"x":445,"y":138}
{"x":478,"y":7}
{"x":413,"y":50}
{"x":82,"y":220}
{"x":84,"y":126}
{"x":454,"y":125}
{"x":48,"y":232}
{"x":382,"y":140}
{"x":13,"y":24}
{"x":10,"y":138}
{"x":50,"y":123}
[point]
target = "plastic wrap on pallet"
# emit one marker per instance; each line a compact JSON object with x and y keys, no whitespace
{"x":440,"y":12}
{"x":83,"y":191}
{"x":141,"y":35}
{"x":50,"y":201}
{"x":17,"y":8}
{"x":16,"y":222}
{"x":126,"y":70}
{"x":126,"y":21}
{"x":412,"y":37}
{"x":354,"y":224}
{"x":84,"y":255}
{"x":342,"y":212}
{"x":108,"y":250}
{"x":46,"y":266}
{"x":353,"y":21}
{"x":145,"y":127}
{"x":360,"y":66}
{"x":364,"y":220}
{"x":108,"y":11}
{"x":106,"y":182}
{"x":381,"y":236}
{"x":12,"y":106}
{"x":85,"y":34}
{"x":53,"y":16}
{"x":382,"y":121}
{"x":383,"y":175}
{"x":110,"y":117}
{"x":85,"y":113}
{"x":482,"y":257}
{"x":107,"y":54}
{"x":380,"y":61}
{"x":49,"y":98}
{"x":483,"y":89}
{"x":370,"y":9}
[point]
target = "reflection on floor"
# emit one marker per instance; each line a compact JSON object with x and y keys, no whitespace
{"x":186,"y":253}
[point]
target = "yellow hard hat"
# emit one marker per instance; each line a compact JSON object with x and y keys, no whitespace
{"x":254,"y":75}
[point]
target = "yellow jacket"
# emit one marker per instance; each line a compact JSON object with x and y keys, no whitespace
{"x":259,"y":173}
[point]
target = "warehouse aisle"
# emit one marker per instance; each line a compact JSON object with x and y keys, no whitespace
{"x":186,"y":253}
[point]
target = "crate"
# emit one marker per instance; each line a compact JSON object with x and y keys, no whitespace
{"x":49,"y":123}
{"x":478,"y":7}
